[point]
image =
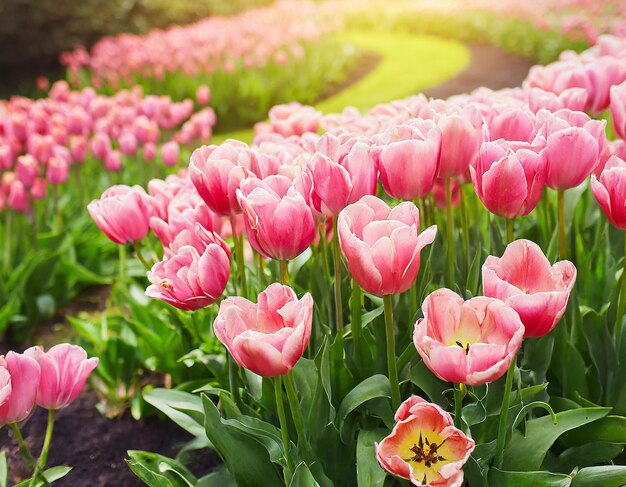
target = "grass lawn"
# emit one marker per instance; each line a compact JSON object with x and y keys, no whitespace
{"x":409,"y":64}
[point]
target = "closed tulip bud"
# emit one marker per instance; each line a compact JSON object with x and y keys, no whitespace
{"x":78,"y":149}
{"x":610,"y":191}
{"x":424,"y":446}
{"x":19,"y":379}
{"x":64,"y":371}
{"x":524,"y":279}
{"x":6,"y":157}
{"x":100,"y":145}
{"x":189,"y":280}
{"x":149,"y":151}
{"x":618,"y":109}
{"x":203,"y":95}
{"x":128,"y":143}
{"x":509,"y":178}
{"x":460,"y":142}
{"x":57,"y":170}
{"x":38,"y":190}
{"x":513,"y":124}
{"x":382,"y":245}
{"x":409,"y":160}
{"x":17,"y":198}
{"x":267,"y":338}
{"x":470,"y":342}
{"x":113,"y":161}
{"x":26,"y":169}
{"x":122,"y":213}
{"x":279,"y":223}
{"x":170,"y":153}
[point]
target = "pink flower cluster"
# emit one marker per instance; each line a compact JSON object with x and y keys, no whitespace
{"x":252,"y":38}
{"x":41,"y":140}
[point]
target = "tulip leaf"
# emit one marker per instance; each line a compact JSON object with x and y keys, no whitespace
{"x":369,"y":472}
{"x":51,"y":475}
{"x":606,"y":476}
{"x":183,"y":408}
{"x":593,"y":453}
{"x":4,"y":470}
{"x":373,"y":387}
{"x":159,"y":471}
{"x":528,"y":479}
{"x":427,"y":382}
{"x":526,"y":452}
{"x":611,"y":429}
{"x":303,"y":476}
{"x":220,"y":477}
{"x":247,"y":459}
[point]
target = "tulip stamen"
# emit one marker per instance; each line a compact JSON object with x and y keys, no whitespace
{"x":426,"y":452}
{"x":466,"y":347}
{"x":166,"y":284}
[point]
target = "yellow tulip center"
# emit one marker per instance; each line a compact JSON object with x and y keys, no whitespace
{"x":426,"y":457}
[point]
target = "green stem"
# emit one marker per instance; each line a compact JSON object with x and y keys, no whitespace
{"x":239,"y":258}
{"x":465,"y":228}
{"x":621,"y":306}
{"x":137,"y":247}
{"x":504,"y":414}
{"x":8,"y":238}
{"x":233,"y":368}
{"x":338,"y":305}
{"x":284,"y":272}
{"x":450,"y":235}
{"x":459,"y":393}
{"x":561,"y":229}
{"x":261,"y":264}
{"x":391,"y":353}
{"x":27,"y":456}
{"x":282,"y":419}
{"x":43,"y":458}
{"x":296,"y":414}
{"x":510,"y":231}
{"x":357,"y":323}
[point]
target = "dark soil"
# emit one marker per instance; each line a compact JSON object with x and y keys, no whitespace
{"x":490,"y":67}
{"x":96,"y":447}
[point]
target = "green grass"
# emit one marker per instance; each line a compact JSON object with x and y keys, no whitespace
{"x":409,"y":64}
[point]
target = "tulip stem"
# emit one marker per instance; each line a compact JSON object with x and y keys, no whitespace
{"x":459,"y":394}
{"x":239,"y":258}
{"x":284,"y":272}
{"x":142,"y":259}
{"x":121,"y":262}
{"x":621,"y":306}
{"x":450,"y":234}
{"x":465,"y":235}
{"x":561,"y":226}
{"x":43,"y":457}
{"x":27,"y":456}
{"x":261,"y":271}
{"x":296,"y":414}
{"x":504,"y":413}
{"x":282,"y":419}
{"x":232,"y":381}
{"x":391,"y":353}
{"x":510,"y":230}
{"x":338,"y":305}
{"x":357,"y":323}
{"x":8,"y":237}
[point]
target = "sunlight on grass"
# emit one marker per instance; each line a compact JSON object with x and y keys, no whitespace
{"x":410,"y":64}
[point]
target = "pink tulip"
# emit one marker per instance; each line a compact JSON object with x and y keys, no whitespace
{"x":203,"y":95}
{"x":424,"y":446}
{"x":64,"y":371}
{"x":26,"y":169}
{"x":128,"y":143}
{"x":39,"y":189}
{"x":279,"y":223}
{"x":57,"y":170}
{"x":509,"y":177}
{"x":460,"y":142}
{"x":113,"y":161}
{"x":149,"y":151}
{"x":217,"y":171}
{"x":100,"y":145}
{"x":470,"y":342}
{"x":189,"y":280}
{"x":17,"y":198}
{"x":610,"y":191}
{"x":409,"y":160}
{"x":267,"y":338}
{"x":382,"y":245}
{"x":78,"y":148}
{"x":20,"y":391}
{"x":512,"y":124}
{"x":439,"y":192}
{"x":338,"y":175}
{"x":524,"y":279}
{"x":197,"y":237}
{"x":618,"y":109}
{"x":122,"y":213}
{"x":170,"y":152}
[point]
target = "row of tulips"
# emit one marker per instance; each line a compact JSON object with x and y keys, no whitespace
{"x":295,"y":190}
{"x":51,"y":380}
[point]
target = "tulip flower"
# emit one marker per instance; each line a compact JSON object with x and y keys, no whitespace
{"x":64,"y":371}
{"x":170,"y":152}
{"x":20,"y":391}
{"x":267,"y":338}
{"x":424,"y":447}
{"x":610,"y":191}
{"x":618,"y":109}
{"x":460,"y":142}
{"x":279,"y":223}
{"x":203,"y":95}
{"x":57,"y":170}
{"x":189,"y":280}
{"x":524,"y":279}
{"x":382,"y":245}
{"x":197,"y":237}
{"x":122,"y":213}
{"x":469,"y":342}
{"x":509,"y":177}
{"x":513,"y":124}
{"x":409,"y":161}
{"x":26,"y":170}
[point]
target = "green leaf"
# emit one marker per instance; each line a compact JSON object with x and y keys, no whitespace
{"x":51,"y":475}
{"x":427,"y":382}
{"x":606,"y":476}
{"x":247,"y":460}
{"x":183,"y":408}
{"x":302,"y":476}
{"x":159,"y":471}
{"x":526,"y":452}
{"x":369,"y":472}
{"x":528,"y":479}
{"x":373,"y":387}
{"x":220,"y":477}
{"x":4,"y":470}
{"x":590,"y":454}
{"x":611,"y":429}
